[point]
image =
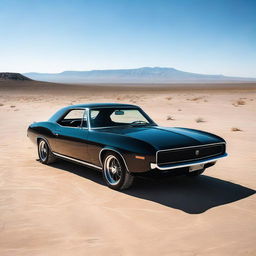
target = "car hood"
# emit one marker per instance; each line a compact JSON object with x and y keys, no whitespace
{"x":165,"y":137}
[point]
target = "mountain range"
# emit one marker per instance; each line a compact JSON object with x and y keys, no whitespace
{"x":138,"y":75}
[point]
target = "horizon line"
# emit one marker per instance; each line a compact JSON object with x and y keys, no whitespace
{"x":135,"y":68}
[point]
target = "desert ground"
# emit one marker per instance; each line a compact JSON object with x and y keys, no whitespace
{"x":65,"y":209}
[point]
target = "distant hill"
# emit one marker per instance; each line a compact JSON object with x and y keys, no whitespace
{"x":13,"y":76}
{"x":139,"y":75}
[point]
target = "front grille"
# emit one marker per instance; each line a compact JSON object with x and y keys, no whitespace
{"x":173,"y":156}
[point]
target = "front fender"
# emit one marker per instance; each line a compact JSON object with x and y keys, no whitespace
{"x":133,"y":162}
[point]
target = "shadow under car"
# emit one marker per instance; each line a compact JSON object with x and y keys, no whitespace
{"x":191,"y":195}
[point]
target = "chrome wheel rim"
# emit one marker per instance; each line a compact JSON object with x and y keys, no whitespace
{"x":112,"y":170}
{"x":43,"y":150}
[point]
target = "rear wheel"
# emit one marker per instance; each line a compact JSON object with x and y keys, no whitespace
{"x":115,"y":173}
{"x":44,"y":152}
{"x":195,"y":173}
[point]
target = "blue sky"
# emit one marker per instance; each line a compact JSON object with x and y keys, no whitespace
{"x":210,"y":37}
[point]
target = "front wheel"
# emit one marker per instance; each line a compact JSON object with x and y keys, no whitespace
{"x":44,"y":152}
{"x":115,"y":173}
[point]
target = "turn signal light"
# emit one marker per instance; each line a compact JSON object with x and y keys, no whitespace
{"x":140,"y":157}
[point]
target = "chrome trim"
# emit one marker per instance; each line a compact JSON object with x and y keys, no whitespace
{"x":88,"y":118}
{"x":110,"y":149}
{"x":193,"y":146}
{"x":176,"y":166}
{"x":187,"y":148}
{"x":76,"y":160}
{"x":85,"y":115}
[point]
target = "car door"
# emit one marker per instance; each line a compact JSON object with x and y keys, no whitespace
{"x":71,"y":135}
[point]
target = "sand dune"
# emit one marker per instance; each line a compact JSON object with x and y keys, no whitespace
{"x":64,"y":209}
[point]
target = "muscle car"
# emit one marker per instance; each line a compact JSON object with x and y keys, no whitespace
{"x":122,"y":141}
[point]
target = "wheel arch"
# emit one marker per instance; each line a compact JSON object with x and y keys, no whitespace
{"x":105,"y":150}
{"x":38,"y":138}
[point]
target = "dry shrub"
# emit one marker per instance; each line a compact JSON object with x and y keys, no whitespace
{"x":196,"y":98}
{"x":168,"y":98}
{"x":200,"y":120}
{"x":12,"y":106}
{"x":170,"y":118}
{"x":240,"y":102}
{"x":235,"y":129}
{"x":1,"y":104}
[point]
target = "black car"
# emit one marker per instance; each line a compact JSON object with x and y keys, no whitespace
{"x":122,"y":141}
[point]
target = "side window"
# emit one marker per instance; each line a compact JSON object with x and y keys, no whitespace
{"x":74,"y":118}
{"x":94,"y":113}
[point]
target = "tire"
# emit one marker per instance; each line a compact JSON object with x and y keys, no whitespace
{"x":115,"y":173}
{"x":44,"y":153}
{"x":195,"y":173}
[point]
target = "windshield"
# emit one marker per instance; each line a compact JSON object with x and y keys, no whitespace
{"x":109,"y":117}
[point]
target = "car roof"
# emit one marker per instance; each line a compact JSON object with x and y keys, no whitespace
{"x":102,"y":105}
{"x":62,"y":111}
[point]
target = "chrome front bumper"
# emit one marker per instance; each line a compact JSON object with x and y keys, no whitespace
{"x":187,"y":164}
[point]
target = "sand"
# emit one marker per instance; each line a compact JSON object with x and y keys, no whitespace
{"x":65,"y":209}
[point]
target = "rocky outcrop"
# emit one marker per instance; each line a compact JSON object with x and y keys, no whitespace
{"x":13,"y":76}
